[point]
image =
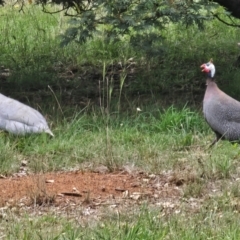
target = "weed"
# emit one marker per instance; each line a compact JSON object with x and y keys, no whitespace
{"x":38,"y":193}
{"x":102,"y":126}
{"x":194,"y":189}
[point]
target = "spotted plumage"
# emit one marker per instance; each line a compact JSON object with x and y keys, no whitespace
{"x":221,"y":111}
{"x":18,"y":118}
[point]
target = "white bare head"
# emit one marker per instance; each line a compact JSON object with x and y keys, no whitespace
{"x":209,"y":68}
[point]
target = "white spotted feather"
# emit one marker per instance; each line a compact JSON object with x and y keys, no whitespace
{"x":18,"y":118}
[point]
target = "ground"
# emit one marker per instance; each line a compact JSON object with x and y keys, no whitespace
{"x":80,"y":187}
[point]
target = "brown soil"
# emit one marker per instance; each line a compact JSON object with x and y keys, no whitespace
{"x":84,"y":187}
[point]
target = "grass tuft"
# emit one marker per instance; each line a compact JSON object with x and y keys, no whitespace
{"x":90,"y":94}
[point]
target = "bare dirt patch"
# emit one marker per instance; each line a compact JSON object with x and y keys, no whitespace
{"x":80,"y":187}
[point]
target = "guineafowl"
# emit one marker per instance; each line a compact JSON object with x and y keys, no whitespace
{"x":19,"y":119}
{"x":221,"y":111}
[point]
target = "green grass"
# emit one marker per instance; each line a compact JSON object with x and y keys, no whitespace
{"x":166,"y":137}
{"x":114,"y":141}
{"x":156,"y":142}
{"x":172,"y":140}
{"x":214,"y":220}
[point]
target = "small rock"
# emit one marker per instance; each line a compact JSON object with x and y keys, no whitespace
{"x":24,"y":163}
{"x":125,"y":194}
{"x":60,"y":195}
{"x":20,"y":174}
{"x":157,"y":185}
{"x":155,"y":195}
{"x":101,"y":169}
{"x":135,"y":195}
{"x":166,"y":185}
{"x":88,"y":211}
{"x":146,"y":180}
{"x":168,"y":205}
{"x":113,"y":206}
{"x":152,"y":176}
{"x":49,"y":181}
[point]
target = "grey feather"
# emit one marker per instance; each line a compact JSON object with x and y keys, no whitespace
{"x":222,"y":113}
{"x":19,"y":119}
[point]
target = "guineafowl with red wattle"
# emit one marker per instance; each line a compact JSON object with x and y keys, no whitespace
{"x":221,"y":111}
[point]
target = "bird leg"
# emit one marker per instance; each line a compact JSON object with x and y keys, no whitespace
{"x":213,"y":143}
{"x":218,"y":137}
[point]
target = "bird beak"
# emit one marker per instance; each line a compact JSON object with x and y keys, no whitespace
{"x":205,"y":68}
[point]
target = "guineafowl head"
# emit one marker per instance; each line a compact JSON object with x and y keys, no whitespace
{"x":209,"y":69}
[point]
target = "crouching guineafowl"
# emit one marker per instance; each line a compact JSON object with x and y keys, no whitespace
{"x":221,"y":111}
{"x":18,"y":118}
